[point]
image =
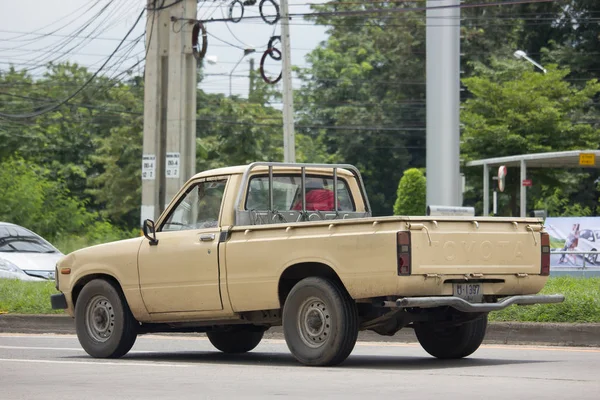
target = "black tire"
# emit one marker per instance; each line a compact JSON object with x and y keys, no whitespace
{"x":454,"y":341}
{"x":320,"y":322}
{"x":104,"y":324}
{"x":235,"y":342}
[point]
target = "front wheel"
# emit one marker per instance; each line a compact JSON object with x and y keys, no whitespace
{"x":320,"y":322}
{"x":451,"y":342}
{"x":237,"y":341}
{"x":104,"y":324}
{"x":593,"y":258}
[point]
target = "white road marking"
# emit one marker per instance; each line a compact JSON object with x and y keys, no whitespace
{"x":122,"y":363}
{"x":282,"y":341}
{"x":40,"y":348}
{"x":78,"y":349}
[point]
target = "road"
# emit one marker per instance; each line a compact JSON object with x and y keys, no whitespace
{"x":176,"y":367}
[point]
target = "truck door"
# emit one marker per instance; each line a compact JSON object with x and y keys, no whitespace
{"x":181,"y":272}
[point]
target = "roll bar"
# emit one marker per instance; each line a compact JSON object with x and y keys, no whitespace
{"x":302,"y":167}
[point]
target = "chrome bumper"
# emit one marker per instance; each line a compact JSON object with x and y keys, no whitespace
{"x":465,"y":306}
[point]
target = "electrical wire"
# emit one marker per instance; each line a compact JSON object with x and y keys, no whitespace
{"x":67,"y":99}
{"x":354,"y":13}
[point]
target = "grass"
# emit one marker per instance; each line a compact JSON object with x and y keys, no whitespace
{"x":582,"y":302}
{"x":21,"y":297}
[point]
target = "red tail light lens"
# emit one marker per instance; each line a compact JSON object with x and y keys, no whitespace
{"x":545,"y":239}
{"x":404,"y":259}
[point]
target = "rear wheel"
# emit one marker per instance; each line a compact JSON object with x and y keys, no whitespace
{"x":104,"y":324}
{"x":234,"y":342}
{"x":451,"y":342}
{"x":320,"y":322}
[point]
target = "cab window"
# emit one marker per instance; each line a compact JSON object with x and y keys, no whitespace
{"x":287,"y":194}
{"x":199,"y":208}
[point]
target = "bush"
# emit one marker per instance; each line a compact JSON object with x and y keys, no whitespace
{"x":99,"y":232}
{"x":29,"y":199}
{"x":412,"y":191}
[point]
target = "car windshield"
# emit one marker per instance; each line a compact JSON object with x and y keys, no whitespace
{"x":15,"y":239}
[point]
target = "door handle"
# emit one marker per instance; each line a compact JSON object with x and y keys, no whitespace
{"x":207,"y":237}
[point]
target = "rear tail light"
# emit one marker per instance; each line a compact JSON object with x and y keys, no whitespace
{"x":404,"y":259}
{"x":545,"y":239}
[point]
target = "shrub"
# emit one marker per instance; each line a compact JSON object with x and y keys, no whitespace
{"x":411,"y":195}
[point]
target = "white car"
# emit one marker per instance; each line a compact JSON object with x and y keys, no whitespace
{"x":25,"y":255}
{"x":589,"y":240}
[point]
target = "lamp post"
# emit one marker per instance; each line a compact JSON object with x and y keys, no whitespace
{"x":247,"y":51}
{"x":520,"y":54}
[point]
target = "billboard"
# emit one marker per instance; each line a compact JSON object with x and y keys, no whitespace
{"x":573,"y":234}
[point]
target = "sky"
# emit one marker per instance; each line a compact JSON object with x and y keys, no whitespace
{"x":33,"y":32}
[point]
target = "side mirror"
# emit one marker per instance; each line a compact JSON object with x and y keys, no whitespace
{"x":150,"y":232}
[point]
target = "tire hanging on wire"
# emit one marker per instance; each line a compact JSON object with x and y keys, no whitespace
{"x":231,"y":8}
{"x":269,"y":52}
{"x":271,"y":45}
{"x":199,"y":51}
{"x":264,"y":17}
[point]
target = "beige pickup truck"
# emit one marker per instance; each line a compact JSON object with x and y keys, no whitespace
{"x":241,"y":249}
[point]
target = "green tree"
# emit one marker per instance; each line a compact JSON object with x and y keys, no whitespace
{"x":411,"y":194}
{"x":514,"y":110}
{"x":364,"y":95}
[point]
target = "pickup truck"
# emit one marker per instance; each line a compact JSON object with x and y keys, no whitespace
{"x":241,"y":249}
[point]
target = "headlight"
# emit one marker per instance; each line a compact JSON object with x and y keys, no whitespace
{"x":41,"y":274}
{"x":6,"y":265}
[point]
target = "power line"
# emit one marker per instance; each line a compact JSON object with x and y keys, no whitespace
{"x":353,"y":13}
{"x":66,"y":100}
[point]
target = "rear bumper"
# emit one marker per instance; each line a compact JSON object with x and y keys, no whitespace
{"x":465,"y":306}
{"x":58,"y":301}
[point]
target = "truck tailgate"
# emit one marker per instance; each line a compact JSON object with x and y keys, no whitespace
{"x":469,"y":247}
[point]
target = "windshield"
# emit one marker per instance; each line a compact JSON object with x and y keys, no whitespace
{"x":14,"y":239}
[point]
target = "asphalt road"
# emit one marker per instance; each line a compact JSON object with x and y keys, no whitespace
{"x":167,"y":367}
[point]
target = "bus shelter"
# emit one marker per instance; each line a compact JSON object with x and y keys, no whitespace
{"x":560,"y":159}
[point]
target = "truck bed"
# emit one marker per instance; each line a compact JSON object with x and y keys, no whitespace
{"x":502,"y":253}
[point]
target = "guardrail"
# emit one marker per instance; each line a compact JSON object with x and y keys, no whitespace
{"x":576,"y":253}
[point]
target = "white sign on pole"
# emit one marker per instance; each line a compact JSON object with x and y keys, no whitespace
{"x":172,"y":165}
{"x":148,"y":167}
{"x":502,"y":171}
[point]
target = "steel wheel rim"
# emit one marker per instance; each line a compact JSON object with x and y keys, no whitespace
{"x":314,"y":322}
{"x":100,"y":318}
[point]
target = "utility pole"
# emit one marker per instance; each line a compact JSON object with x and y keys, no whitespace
{"x":251,"y":78}
{"x":169,"y":143}
{"x":289,"y":140}
{"x":443,"y":102}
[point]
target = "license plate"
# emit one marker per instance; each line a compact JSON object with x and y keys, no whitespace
{"x":471,"y":292}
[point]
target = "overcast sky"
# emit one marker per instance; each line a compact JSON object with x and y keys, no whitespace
{"x":33,"y":32}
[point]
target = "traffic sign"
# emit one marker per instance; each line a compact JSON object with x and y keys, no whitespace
{"x":527,"y":182}
{"x":587,"y":159}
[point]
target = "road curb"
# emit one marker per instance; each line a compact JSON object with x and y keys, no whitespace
{"x":517,"y":333}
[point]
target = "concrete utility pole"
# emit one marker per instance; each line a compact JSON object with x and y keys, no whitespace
{"x":289,"y":141}
{"x":169,"y":148}
{"x":251,"y":78}
{"x":443,"y":102}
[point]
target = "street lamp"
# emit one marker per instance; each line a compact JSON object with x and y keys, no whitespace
{"x":519,"y":54}
{"x":247,"y":51}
